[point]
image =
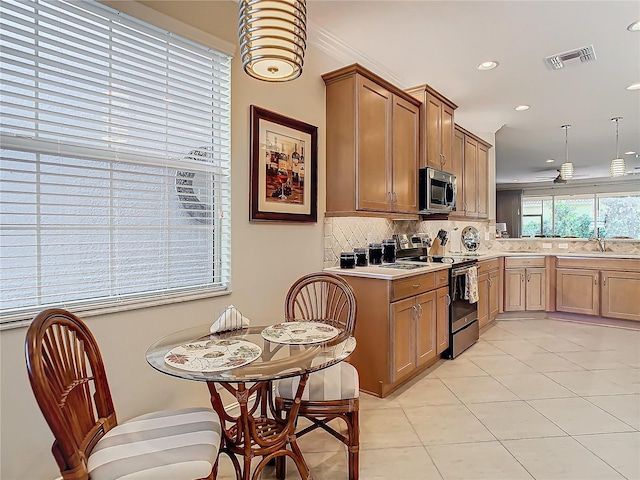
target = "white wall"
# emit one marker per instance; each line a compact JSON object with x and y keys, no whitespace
{"x":266,"y":259}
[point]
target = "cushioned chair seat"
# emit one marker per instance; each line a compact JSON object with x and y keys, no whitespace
{"x":175,"y":445}
{"x":338,"y":382}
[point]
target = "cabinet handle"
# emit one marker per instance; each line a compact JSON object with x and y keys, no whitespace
{"x":490,"y":282}
{"x":395,"y":197}
{"x":389,"y":197}
{"x":529,"y":278}
{"x":448,"y":299}
{"x":416,"y":285}
{"x":595,"y":279}
{"x":522,"y":277}
{"x":415,"y":309}
{"x":604,"y":281}
{"x":419,"y":311}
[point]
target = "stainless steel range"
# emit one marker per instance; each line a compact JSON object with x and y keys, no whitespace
{"x":464,"y":329}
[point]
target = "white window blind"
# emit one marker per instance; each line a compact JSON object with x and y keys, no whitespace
{"x":115,"y":151}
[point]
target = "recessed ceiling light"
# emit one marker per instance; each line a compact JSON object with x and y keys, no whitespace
{"x":488,"y":65}
{"x":634,"y":86}
{"x":630,"y":153}
{"x":522,"y":108}
{"x":551,"y":160}
{"x":515,"y":180}
{"x":634,"y":27}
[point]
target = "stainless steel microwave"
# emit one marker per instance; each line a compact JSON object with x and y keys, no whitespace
{"x":437,"y":190}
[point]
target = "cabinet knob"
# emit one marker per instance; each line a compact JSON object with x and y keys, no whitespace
{"x":416,"y":285}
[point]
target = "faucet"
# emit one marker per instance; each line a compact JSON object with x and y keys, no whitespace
{"x":599,"y":239}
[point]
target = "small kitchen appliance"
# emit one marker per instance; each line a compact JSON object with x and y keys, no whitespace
{"x":437,"y":191}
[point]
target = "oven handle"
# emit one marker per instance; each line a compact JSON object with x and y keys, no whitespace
{"x":460,"y":271}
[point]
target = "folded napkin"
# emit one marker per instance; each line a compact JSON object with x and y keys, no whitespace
{"x":230,"y":319}
{"x":471,"y":285}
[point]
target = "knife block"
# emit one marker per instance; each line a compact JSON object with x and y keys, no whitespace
{"x":436,"y":247}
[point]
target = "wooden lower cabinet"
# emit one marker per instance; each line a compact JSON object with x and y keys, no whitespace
{"x":442,"y":319}
{"x":577,"y":291}
{"x":483,"y":299}
{"x":525,"y":289}
{"x":401,"y":328}
{"x":535,"y":289}
{"x":621,"y":295}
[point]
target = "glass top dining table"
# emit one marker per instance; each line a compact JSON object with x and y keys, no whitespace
{"x":244,"y":363}
{"x":276,"y":361}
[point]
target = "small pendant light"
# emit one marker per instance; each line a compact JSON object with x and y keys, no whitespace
{"x":566,"y":169}
{"x":618,"y":167}
{"x":273,"y":38}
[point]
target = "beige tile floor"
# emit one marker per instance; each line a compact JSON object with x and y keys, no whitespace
{"x":534,"y":398}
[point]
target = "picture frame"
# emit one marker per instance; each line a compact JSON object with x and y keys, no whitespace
{"x":283,"y":169}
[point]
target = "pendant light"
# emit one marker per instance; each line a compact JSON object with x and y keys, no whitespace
{"x":566,"y":169}
{"x":618,"y":167}
{"x":273,"y":38}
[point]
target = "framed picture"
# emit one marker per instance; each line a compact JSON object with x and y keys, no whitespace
{"x":284,"y":168}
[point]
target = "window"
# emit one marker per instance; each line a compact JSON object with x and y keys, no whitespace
{"x":581,"y":216}
{"x":115,"y":175}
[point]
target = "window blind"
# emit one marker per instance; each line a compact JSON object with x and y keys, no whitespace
{"x":115,"y":151}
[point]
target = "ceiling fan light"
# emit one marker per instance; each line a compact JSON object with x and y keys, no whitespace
{"x":618,"y":167}
{"x":566,"y":171}
{"x":273,"y":38}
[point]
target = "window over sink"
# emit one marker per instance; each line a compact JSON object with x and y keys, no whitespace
{"x":582,"y":216}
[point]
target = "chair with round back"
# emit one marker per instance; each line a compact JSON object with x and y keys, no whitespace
{"x":333,"y":392}
{"x":70,"y":385}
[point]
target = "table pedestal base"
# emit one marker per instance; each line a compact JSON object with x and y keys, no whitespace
{"x":258,"y":436}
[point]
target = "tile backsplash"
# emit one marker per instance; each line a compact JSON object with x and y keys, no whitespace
{"x":343,"y":234}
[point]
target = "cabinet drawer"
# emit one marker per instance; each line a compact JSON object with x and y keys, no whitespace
{"x":488,"y":265}
{"x":410,"y":286}
{"x":516,"y":262}
{"x":442,"y":278}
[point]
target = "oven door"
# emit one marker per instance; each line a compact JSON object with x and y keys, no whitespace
{"x":462,"y":311}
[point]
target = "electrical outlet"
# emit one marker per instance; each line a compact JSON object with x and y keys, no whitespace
{"x":487,"y":236}
{"x":546,"y":245}
{"x":563,"y":246}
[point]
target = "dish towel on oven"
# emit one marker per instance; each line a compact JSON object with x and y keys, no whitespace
{"x":471,"y":285}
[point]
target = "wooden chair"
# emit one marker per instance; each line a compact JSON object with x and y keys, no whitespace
{"x":333,"y":392}
{"x":70,"y":385}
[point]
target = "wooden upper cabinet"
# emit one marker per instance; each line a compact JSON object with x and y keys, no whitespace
{"x":437,"y":126}
{"x":471,"y":165}
{"x":483,"y":180}
{"x":373,"y":131}
{"x":457,"y":170}
{"x":374,"y":144}
{"x":406,"y":134}
{"x":470,"y":182}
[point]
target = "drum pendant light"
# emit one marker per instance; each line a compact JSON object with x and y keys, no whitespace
{"x":566,"y":169}
{"x":618,"y":166}
{"x":273,"y":38}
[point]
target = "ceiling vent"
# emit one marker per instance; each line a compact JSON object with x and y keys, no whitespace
{"x":585,"y":54}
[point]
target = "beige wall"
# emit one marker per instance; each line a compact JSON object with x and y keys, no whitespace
{"x":266,"y":259}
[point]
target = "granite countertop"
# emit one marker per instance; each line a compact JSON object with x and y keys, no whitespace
{"x":384,"y":273}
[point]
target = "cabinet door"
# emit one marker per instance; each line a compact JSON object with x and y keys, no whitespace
{"x":426,"y":327}
{"x":402,"y":340}
{"x":457,"y":170}
{"x":406,"y":131}
{"x":470,"y":177}
{"x":483,"y":180}
{"x":446,"y":137}
{"x":442,"y":327}
{"x":620,"y":291}
{"x":432,"y":109}
{"x":577,"y":291}
{"x":483,"y":299}
{"x":374,"y":146}
{"x":514,"y":289}
{"x":494,"y":294}
{"x":536,"y":291}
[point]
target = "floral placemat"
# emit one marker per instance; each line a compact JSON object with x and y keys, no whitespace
{"x":299,"y":333}
{"x":213,"y":355}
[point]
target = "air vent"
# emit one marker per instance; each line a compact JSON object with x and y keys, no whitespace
{"x":585,"y":54}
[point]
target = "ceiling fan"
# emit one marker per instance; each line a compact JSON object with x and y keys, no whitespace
{"x":558,"y":178}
